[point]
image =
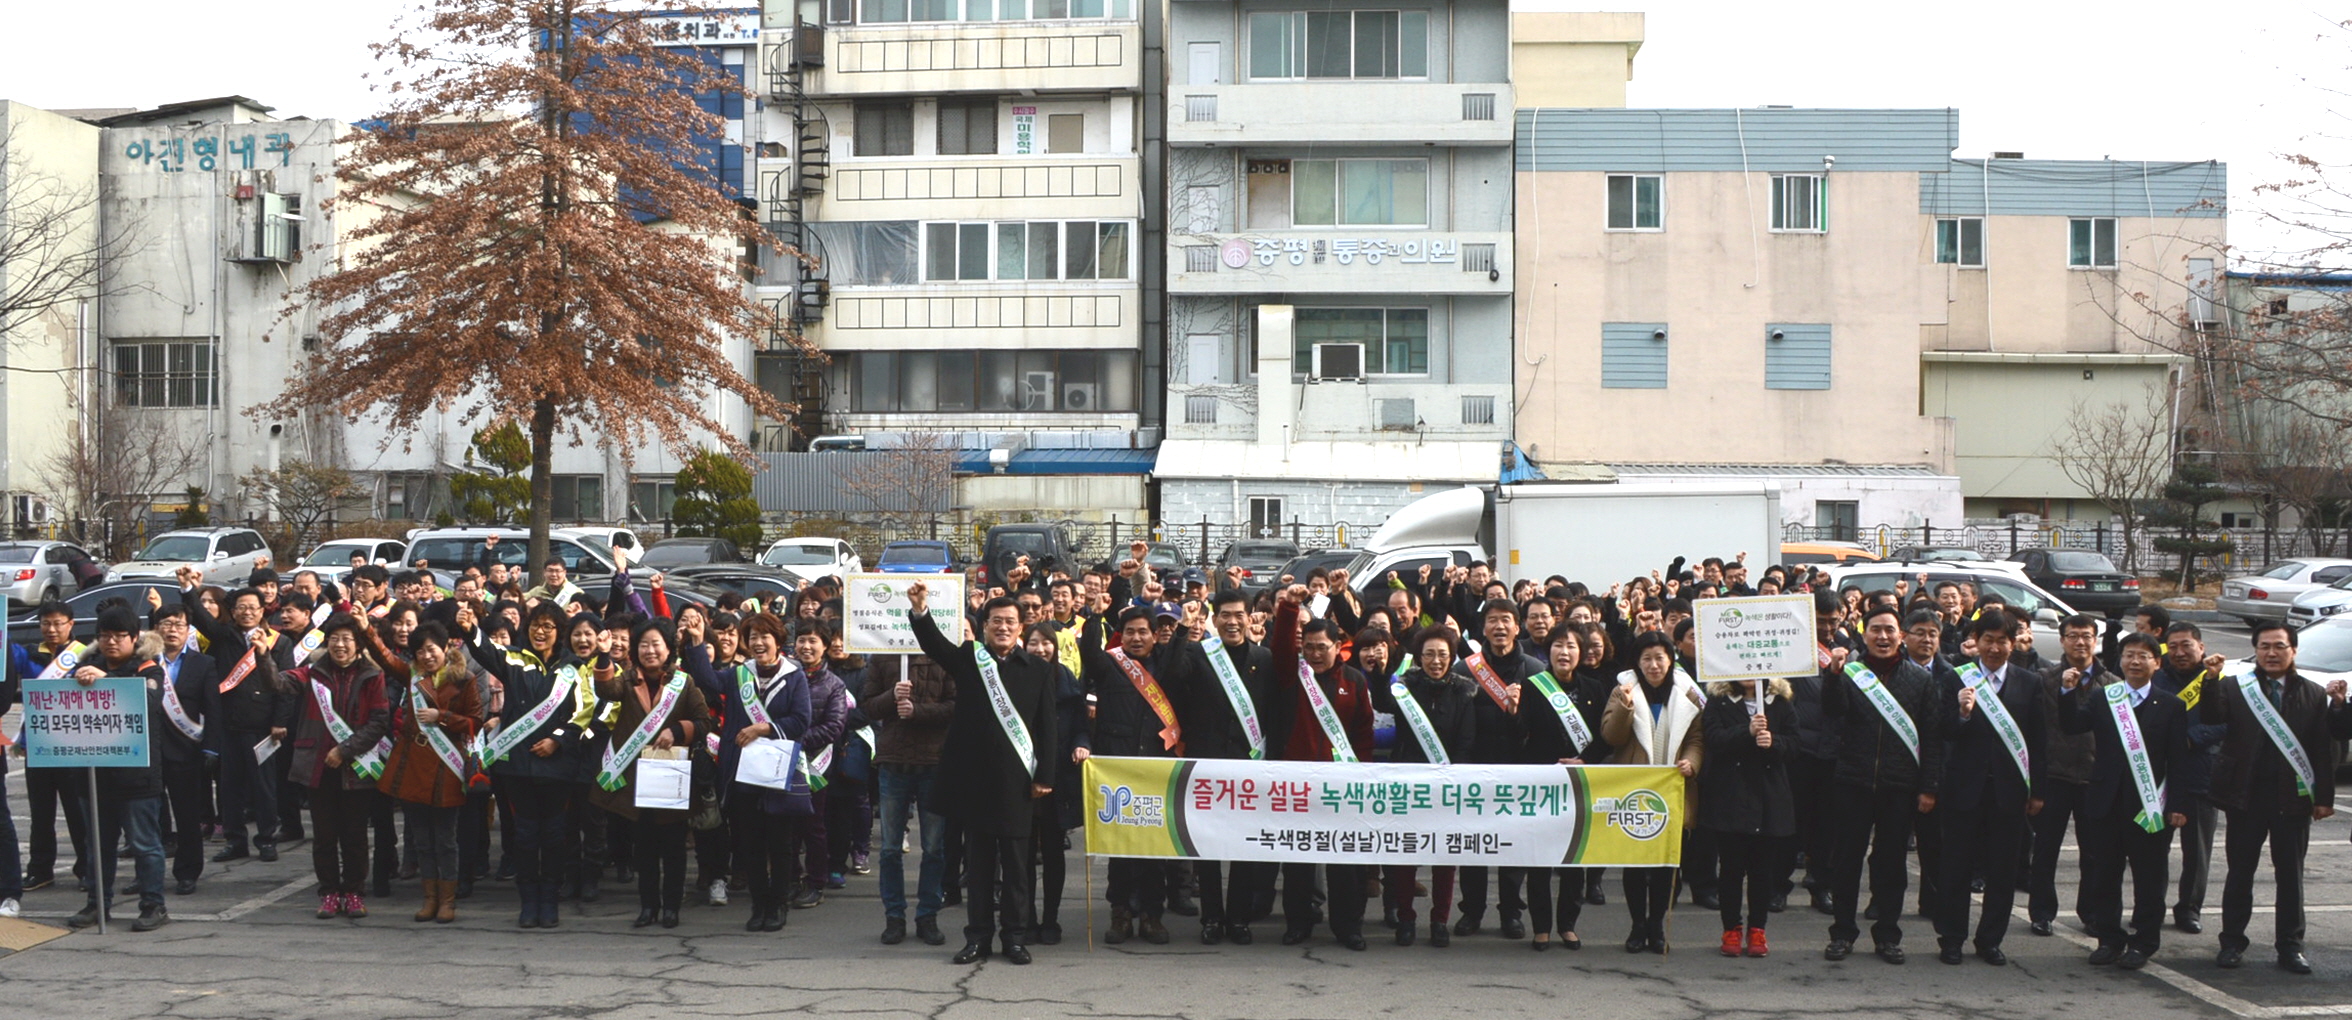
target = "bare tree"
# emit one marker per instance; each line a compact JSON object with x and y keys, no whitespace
{"x":2299,"y":463}
{"x":301,"y":495}
{"x":2120,"y":455}
{"x":107,"y":472}
{"x":52,"y":252}
{"x":908,"y":485}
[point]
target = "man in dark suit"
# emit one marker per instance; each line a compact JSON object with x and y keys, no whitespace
{"x":1213,"y":729}
{"x":1128,"y":723}
{"x":2115,"y":823}
{"x":2268,"y":796}
{"x":189,"y":759}
{"x":984,"y":784}
{"x":1986,"y":799}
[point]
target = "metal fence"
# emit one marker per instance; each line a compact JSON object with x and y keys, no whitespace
{"x":1199,"y":543}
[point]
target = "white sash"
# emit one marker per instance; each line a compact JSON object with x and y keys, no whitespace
{"x":2267,"y":716}
{"x":178,"y":713}
{"x":1001,"y":702}
{"x":1325,"y":715}
{"x":617,"y":759}
{"x":67,"y":658}
{"x":1570,"y":719}
{"x":443,"y":747}
{"x":370,"y":766}
{"x":2135,"y":757}
{"x":1423,"y":730}
{"x":1236,"y":694}
{"x":1875,"y":691}
{"x":2004,"y":725}
{"x":511,"y":736}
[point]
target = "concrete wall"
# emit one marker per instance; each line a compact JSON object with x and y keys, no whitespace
{"x":1079,"y":497}
{"x":1573,"y":59}
{"x":2026,"y":297}
{"x":1362,"y":505}
{"x":48,"y":169}
{"x":1716,"y":275}
{"x":1895,"y":500}
{"x":2006,"y":410}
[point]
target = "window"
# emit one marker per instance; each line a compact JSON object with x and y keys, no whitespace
{"x":1396,"y":340}
{"x":1033,"y":250}
{"x":1837,"y":520}
{"x":1960,"y":241}
{"x":165,"y":374}
{"x":886,"y":129}
{"x":2090,"y":243}
{"x":1633,"y":355}
{"x":1796,"y":356}
{"x":1478,"y":410}
{"x":891,"y":12}
{"x":650,"y":499}
{"x":873,"y":254}
{"x":1295,"y":45}
{"x":1359,"y":192}
{"x":1066,"y":132}
{"x":1265,"y":517}
{"x":969,"y":381}
{"x":1637,"y":202}
{"x":882,"y":12}
{"x":967,"y":127}
{"x":579,"y":497}
{"x":1800,"y":202}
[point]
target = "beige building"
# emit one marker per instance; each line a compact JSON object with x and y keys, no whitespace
{"x":50,"y":282}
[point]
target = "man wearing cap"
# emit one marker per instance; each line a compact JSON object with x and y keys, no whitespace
{"x":130,"y":800}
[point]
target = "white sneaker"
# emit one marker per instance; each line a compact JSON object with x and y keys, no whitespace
{"x":10,"y":908}
{"x":718,"y":892}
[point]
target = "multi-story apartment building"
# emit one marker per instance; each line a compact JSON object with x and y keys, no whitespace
{"x":1340,"y":266}
{"x":969,"y":181}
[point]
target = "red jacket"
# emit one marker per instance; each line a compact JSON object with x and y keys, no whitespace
{"x":1351,"y":697}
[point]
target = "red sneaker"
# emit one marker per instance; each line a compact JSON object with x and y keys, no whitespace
{"x":330,"y":905}
{"x":1731,"y":942}
{"x":353,"y":906}
{"x":1756,"y":946}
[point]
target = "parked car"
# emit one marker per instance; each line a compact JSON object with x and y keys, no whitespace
{"x":1048,"y":546}
{"x":331,"y":560}
{"x":672,"y":553}
{"x":456,"y":548}
{"x":1309,"y":561}
{"x":1935,"y":554}
{"x":225,"y":556}
{"x":1164,"y":557}
{"x":750,"y":580}
{"x":609,"y":537}
{"x":812,"y":558}
{"x":1801,"y":553}
{"x":24,"y":626}
{"x":1260,"y":560}
{"x":916,"y":556}
{"x":31,"y":572}
{"x":2045,"y":608}
{"x":2323,"y":654}
{"x":2265,"y":595}
{"x":2087,"y":579}
{"x":2319,"y":604}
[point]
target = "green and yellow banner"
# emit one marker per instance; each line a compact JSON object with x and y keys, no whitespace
{"x":1348,"y":813}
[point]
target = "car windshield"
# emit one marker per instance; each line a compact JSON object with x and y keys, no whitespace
{"x":181,"y":548}
{"x":16,"y":554}
{"x":2081,"y":562}
{"x":676,"y":555}
{"x":455,"y":553}
{"x":335,"y":555}
{"x":2325,"y":649}
{"x":1163,"y":556}
{"x":1263,"y":555}
{"x":914,"y":556}
{"x":798,"y":556}
{"x":2283,"y":571}
{"x":1947,"y":555}
{"x":2017,"y":596}
{"x":1020,"y":541}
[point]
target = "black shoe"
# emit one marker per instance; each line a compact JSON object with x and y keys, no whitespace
{"x":1992,"y":955}
{"x":550,"y":909}
{"x":1468,"y":925}
{"x":1779,"y":903}
{"x":2041,"y":928}
{"x":1211,"y":933}
{"x":1512,"y":928}
{"x":624,"y":874}
{"x":1821,"y":901}
{"x":506,"y":869}
{"x":1017,"y":955}
{"x":927,"y":929}
{"x":407,"y":873}
{"x":1637,"y":940}
{"x":669,"y":917}
{"x":1440,"y":936}
{"x":973,"y":952}
{"x":1656,"y":943}
{"x":758,"y":920}
{"x":776,"y":918}
{"x":1294,"y":936}
{"x":1596,"y":897}
{"x":1870,"y":913}
{"x":1405,"y":932}
{"x":231,"y":853}
{"x":1890,"y":952}
{"x":381,"y":886}
{"x":645,"y":918}
{"x":2292,"y":962}
{"x":266,"y":852}
{"x":1049,"y":934}
{"x":808,"y":898}
{"x":1708,"y":900}
{"x":893,"y":930}
{"x":184,"y":887}
{"x":1389,"y":919}
{"x":2230,"y":957}
{"x":1239,"y":934}
{"x":1976,"y":885}
{"x":589,"y":892}
{"x":84,"y":917}
{"x":1838,"y":949}
{"x":2132,"y":959}
{"x":34,"y":882}
{"x":1541,"y":945}
{"x":1950,"y":953}
{"x":465,"y":888}
{"x":1180,"y":904}
{"x":951,"y":897}
{"x":2187,"y":924}
{"x":1356,"y":942}
{"x":2105,"y":955}
{"x":151,"y":918}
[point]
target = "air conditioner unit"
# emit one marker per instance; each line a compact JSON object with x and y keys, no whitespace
{"x":1081,"y":396}
{"x":1037,"y":391}
{"x":1339,"y":361}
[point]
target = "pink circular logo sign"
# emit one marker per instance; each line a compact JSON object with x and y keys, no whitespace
{"x":1236,"y":253}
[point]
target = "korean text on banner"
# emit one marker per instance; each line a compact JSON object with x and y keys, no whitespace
{"x":103,"y":725}
{"x":1341,"y":813}
{"x":1755,"y":638}
{"x":874,"y":608}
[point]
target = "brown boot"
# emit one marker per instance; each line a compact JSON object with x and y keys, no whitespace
{"x":447,"y":911}
{"x":432,"y":900}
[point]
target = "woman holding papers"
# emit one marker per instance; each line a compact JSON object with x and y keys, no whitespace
{"x":1745,"y":800}
{"x":765,"y":721}
{"x":428,"y":768}
{"x":1653,"y":720}
{"x":648,"y":706}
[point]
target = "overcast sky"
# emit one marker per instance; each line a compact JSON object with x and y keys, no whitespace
{"x":2162,"y":80}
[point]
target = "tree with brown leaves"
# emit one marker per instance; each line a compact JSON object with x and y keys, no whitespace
{"x":570,"y":265}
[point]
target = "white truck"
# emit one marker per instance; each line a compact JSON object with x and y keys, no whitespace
{"x":1597,"y":533}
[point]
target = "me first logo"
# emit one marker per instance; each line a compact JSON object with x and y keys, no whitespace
{"x":1123,"y":806}
{"x":1641,"y":814}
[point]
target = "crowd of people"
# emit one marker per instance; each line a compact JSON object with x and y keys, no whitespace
{"x":418,"y":726}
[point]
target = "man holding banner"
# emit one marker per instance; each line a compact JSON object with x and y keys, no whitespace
{"x":1993,"y":723}
{"x":1328,"y":719}
{"x":1137,"y":685}
{"x":130,"y":800}
{"x":1231,"y":717}
{"x":989,"y":769}
{"x":2138,"y":732}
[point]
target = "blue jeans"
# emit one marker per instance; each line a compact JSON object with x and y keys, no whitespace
{"x":907,"y":788}
{"x":138,"y":821}
{"x":11,"y":865}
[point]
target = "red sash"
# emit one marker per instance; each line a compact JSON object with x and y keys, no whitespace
{"x":251,"y":659}
{"x":1171,"y":734}
{"x":1488,"y":680}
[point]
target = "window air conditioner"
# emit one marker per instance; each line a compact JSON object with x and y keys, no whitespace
{"x":1339,"y":361}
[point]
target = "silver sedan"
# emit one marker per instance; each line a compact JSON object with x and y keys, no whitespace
{"x":31,"y":572}
{"x":2267,"y":595}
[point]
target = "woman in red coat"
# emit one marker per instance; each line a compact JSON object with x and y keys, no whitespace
{"x":428,"y":768}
